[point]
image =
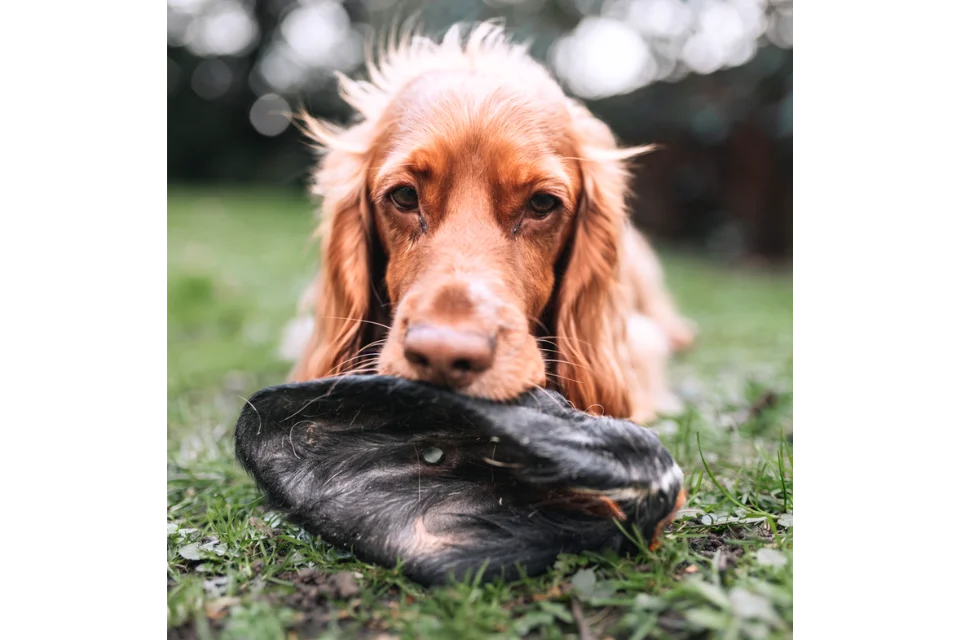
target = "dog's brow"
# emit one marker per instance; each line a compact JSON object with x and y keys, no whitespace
{"x":547,"y":169}
{"x":403,"y":163}
{"x":392,"y":173}
{"x":548,"y":183}
{"x":555,"y":183}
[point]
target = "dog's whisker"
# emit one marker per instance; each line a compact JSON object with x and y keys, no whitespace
{"x":336,"y":369}
{"x":552,"y":338}
{"x":359,"y":370}
{"x":559,"y":377}
{"x":554,"y":351}
{"x":378,"y":324}
{"x":552,"y":397}
{"x":538,"y":322}
{"x":363,"y":359}
{"x":572,"y":364}
{"x":375,"y":343}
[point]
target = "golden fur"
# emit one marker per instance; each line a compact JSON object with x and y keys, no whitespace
{"x":576,"y":300}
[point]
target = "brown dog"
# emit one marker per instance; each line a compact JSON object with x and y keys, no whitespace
{"x":475,"y":235}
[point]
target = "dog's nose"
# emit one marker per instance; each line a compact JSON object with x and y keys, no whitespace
{"x":449,"y":356}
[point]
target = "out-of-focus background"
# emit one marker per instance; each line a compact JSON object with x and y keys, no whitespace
{"x":710,"y":80}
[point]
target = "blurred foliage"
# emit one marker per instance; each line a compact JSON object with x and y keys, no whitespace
{"x":709,"y":80}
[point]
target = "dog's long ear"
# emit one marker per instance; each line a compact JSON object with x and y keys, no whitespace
{"x":344,"y":284}
{"x":591,"y":330}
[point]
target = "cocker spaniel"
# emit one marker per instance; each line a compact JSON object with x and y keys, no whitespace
{"x":476,"y":236}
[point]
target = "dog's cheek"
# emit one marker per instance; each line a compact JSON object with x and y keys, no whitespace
{"x":539,"y":374}
{"x":523,"y":358}
{"x":391,"y":361}
{"x":534,"y":372}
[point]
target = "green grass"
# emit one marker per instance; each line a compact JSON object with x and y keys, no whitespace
{"x":237,"y":263}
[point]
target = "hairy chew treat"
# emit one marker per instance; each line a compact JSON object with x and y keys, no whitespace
{"x":447,"y":483}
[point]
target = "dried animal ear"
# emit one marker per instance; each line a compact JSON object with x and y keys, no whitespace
{"x":451,"y":484}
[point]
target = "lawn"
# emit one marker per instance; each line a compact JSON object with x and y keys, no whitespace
{"x":237,"y":262}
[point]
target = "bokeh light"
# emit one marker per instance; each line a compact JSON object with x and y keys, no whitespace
{"x":710,"y":80}
{"x":603,"y":57}
{"x":211,"y":79}
{"x":225,"y":28}
{"x":617,"y":46}
{"x":270,"y":115}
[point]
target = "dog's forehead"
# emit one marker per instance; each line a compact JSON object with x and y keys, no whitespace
{"x":454,"y":105}
{"x":466,"y":87}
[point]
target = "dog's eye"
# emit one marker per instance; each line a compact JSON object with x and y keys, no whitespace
{"x":542,"y":204}
{"x":404,"y":198}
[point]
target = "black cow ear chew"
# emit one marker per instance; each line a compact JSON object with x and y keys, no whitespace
{"x":398,"y":470}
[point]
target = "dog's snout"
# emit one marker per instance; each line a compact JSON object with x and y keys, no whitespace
{"x":447,"y":355}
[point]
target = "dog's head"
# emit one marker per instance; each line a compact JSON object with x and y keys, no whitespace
{"x":473,"y":219}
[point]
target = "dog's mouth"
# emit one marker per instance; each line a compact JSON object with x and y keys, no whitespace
{"x":498,"y":369}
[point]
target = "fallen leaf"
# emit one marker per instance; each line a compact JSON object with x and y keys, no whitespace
{"x":212,"y":544}
{"x":604,"y":590}
{"x":190,"y":552}
{"x":771,"y":558}
{"x":751,"y":606}
{"x":584,"y":583}
{"x":216,"y":609}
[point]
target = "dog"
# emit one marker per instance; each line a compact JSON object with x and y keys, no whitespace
{"x":475,"y":235}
